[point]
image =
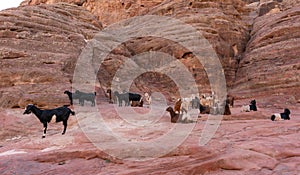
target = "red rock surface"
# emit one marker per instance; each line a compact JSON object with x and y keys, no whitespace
{"x":226,"y":24}
{"x":242,"y":145}
{"x":108,"y":12}
{"x":270,"y":65}
{"x":17,"y":91}
{"x":38,"y":52}
{"x":221,"y":23}
{"x":257,"y":43}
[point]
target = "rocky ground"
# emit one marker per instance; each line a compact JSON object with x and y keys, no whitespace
{"x":245,"y":143}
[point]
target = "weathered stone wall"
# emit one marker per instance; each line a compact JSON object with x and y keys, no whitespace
{"x":270,"y":66}
{"x":39,"y":46}
{"x":256,"y":42}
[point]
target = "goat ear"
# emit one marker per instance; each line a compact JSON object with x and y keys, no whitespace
{"x":27,"y":106}
{"x":287,"y":111}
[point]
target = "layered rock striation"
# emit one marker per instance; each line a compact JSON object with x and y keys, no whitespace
{"x":108,"y":12}
{"x":220,"y":22}
{"x":38,"y":52}
{"x":270,"y":66}
{"x":255,"y":41}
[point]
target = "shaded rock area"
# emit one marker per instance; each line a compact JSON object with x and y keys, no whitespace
{"x":38,"y":52}
{"x":242,"y":145}
{"x":221,"y":23}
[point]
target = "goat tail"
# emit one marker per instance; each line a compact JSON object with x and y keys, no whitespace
{"x":95,"y":93}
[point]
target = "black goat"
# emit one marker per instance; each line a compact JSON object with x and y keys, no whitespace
{"x":134,"y":97}
{"x":282,"y":116}
{"x":251,"y":107}
{"x":127,"y":97}
{"x":85,"y":96}
{"x":204,"y":109}
{"x":72,"y":97}
{"x":45,"y":116}
{"x":122,"y":97}
{"x":196,"y":103}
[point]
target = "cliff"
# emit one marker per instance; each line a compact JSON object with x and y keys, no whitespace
{"x":38,"y":52}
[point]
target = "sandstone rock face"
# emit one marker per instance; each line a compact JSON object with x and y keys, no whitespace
{"x":221,"y":23}
{"x":270,"y":65}
{"x":108,"y":12}
{"x":38,"y":51}
{"x":256,"y":41}
{"x":226,"y":25}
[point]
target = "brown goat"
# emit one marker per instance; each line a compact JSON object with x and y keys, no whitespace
{"x":230,"y":100}
{"x":109,"y":96}
{"x":177,"y":106}
{"x":137,"y":103}
{"x":176,"y":117}
{"x":227,"y":109}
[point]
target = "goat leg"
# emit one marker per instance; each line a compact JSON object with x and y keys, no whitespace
{"x":81,"y":102}
{"x":45,"y":129}
{"x":65,"y":127}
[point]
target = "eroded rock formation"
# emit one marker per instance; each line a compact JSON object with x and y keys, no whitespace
{"x":256,"y":41}
{"x":251,"y":47}
{"x":108,"y":12}
{"x":38,"y":52}
{"x":270,"y":65}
